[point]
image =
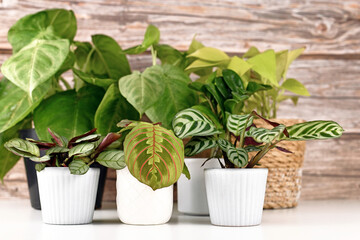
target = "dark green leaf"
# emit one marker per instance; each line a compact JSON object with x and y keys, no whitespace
{"x":112,"y":159}
{"x":233,"y":80}
{"x":78,"y":167}
{"x":88,"y":78}
{"x":22,"y":147}
{"x":82,"y":150}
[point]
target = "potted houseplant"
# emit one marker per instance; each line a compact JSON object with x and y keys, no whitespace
{"x":154,"y":158}
{"x":67,"y":184}
{"x":236,"y":192}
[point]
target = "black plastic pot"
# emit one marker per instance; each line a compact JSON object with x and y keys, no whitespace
{"x":32,"y":178}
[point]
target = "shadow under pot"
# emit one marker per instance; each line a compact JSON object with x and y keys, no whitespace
{"x":191,"y":192}
{"x":139,"y":204}
{"x":236,"y":195}
{"x":33,"y":181}
{"x":67,"y":198}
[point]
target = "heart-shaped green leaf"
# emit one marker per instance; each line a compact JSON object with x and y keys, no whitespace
{"x":49,"y":24}
{"x":112,"y":109}
{"x":35,"y":63}
{"x":154,"y":155}
{"x":78,"y":167}
{"x":112,"y":159}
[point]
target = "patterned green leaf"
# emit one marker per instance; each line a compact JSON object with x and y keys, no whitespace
{"x":22,"y":148}
{"x":57,"y":149}
{"x":238,"y":156}
{"x":314,"y":130}
{"x":35,"y":63}
{"x":40,"y":166}
{"x":90,"y":138}
{"x":198,"y":144}
{"x":44,"y":158}
{"x":236,"y":123}
{"x":191,"y":122}
{"x":83,"y":149}
{"x":112,"y":159}
{"x":78,"y":167}
{"x":263,"y":135}
{"x":154,"y":155}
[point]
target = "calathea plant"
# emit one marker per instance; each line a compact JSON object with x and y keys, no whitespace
{"x":153,"y":154}
{"x":77,"y":153}
{"x":220,"y":124}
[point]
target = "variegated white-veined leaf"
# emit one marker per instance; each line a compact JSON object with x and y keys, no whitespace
{"x":253,"y":148}
{"x":90,"y":138}
{"x":83,"y":149}
{"x":78,"y":167}
{"x":57,"y":149}
{"x":238,"y":156}
{"x":198,"y":144}
{"x":22,"y":148}
{"x":236,"y":123}
{"x":191,"y":122}
{"x":112,"y":159}
{"x":44,"y":158}
{"x":263,"y":135}
{"x":40,"y":166}
{"x":314,"y":130}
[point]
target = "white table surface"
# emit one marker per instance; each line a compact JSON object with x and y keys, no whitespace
{"x":318,"y":220}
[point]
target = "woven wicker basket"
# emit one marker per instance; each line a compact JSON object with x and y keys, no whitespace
{"x":284,"y":179}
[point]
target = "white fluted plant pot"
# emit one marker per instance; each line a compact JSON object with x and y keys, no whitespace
{"x":138,"y":204}
{"x":191,"y":193}
{"x":236,"y":196}
{"x":66,"y":198}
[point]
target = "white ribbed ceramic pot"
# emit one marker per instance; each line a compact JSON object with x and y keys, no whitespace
{"x":66,"y":198}
{"x":191,"y":193}
{"x":236,"y":196}
{"x":138,"y":204}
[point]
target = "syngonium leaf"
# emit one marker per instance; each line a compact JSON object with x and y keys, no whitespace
{"x":36,"y":63}
{"x":15,"y":104}
{"x":75,"y":109}
{"x":22,"y":148}
{"x":49,"y":24}
{"x":88,"y":78}
{"x":170,"y":55}
{"x":8,"y":159}
{"x":112,"y":109}
{"x":112,"y":159}
{"x":151,"y":37}
{"x":154,"y":155}
{"x":191,"y":122}
{"x":78,"y":167}
{"x":313,"y":130}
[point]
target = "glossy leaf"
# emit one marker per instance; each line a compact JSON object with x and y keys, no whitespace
{"x":233,"y":80}
{"x":314,"y":130}
{"x":15,"y":104}
{"x":78,"y":167}
{"x":253,"y":87}
{"x":22,"y":148}
{"x":198,"y":144}
{"x":191,"y":122}
{"x":295,"y":86}
{"x":154,"y":155}
{"x":44,"y":158}
{"x":49,"y":24}
{"x":112,"y":109}
{"x":112,"y":159}
{"x":151,"y":37}
{"x":236,"y":123}
{"x":75,"y":109}
{"x":56,"y":150}
{"x":35,"y":63}
{"x":81,"y":150}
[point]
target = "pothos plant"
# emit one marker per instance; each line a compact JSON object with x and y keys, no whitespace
{"x":232,"y":134}
{"x":77,"y":153}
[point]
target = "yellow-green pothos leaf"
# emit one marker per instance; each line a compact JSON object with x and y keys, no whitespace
{"x":265,"y":65}
{"x":154,"y":155}
{"x":151,"y":37}
{"x":112,"y":159}
{"x":210,"y":54}
{"x":78,"y":167}
{"x":35,"y":63}
{"x":22,"y":148}
{"x":295,"y":86}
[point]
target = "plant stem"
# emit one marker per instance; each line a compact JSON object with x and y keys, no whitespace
{"x":153,"y":54}
{"x":228,"y":164}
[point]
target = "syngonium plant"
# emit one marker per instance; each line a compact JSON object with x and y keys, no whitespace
{"x":77,"y":153}
{"x":219,"y":124}
{"x":153,"y":154}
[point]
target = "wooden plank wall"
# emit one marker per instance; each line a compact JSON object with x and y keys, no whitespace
{"x":330,"y":67}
